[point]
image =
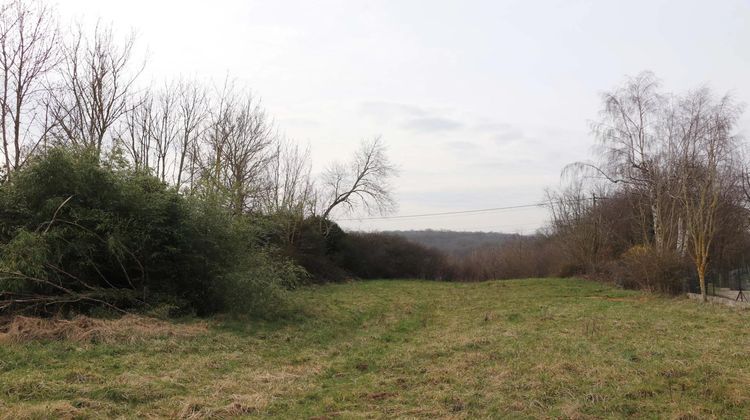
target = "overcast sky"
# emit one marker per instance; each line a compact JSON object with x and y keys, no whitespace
{"x":480,"y":102}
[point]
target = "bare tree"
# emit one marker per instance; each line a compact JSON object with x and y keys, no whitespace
{"x":96,"y":83}
{"x":290,"y":194}
{"x":29,"y":48}
{"x":575,"y":220}
{"x":192,"y":114}
{"x":679,"y":153}
{"x":134,"y":135}
{"x":709,"y":170}
{"x":637,"y":134}
{"x":364,"y":182}
{"x":247,"y":151}
{"x":237,"y":149}
{"x":161,"y":129}
{"x":166,"y":128}
{"x":290,"y":185}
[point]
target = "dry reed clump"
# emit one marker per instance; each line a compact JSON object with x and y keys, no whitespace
{"x":83,"y":329}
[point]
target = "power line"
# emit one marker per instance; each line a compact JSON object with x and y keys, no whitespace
{"x":447,"y":213}
{"x":451,"y":213}
{"x":522,"y":226}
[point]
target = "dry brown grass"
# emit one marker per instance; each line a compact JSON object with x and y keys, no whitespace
{"x":62,"y":410}
{"x":404,"y":349}
{"x":240,"y":405}
{"x":82,"y":329}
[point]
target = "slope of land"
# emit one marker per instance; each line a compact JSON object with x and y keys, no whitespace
{"x":454,"y":242}
{"x":526,"y":348}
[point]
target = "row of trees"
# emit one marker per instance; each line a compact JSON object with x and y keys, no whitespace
{"x":83,"y":140}
{"x":108,"y":184}
{"x":670,"y":180}
{"x":665,"y":201}
{"x":81,"y":88}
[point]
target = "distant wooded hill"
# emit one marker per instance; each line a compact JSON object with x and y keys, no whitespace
{"x":452,"y":242}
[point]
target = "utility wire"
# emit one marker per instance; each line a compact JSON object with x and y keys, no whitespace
{"x":447,"y":213}
{"x":450,"y":213}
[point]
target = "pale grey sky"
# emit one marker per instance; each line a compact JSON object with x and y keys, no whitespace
{"x":481,"y":102}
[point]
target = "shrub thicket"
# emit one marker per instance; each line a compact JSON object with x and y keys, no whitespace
{"x":77,"y":233}
{"x":379,"y":255}
{"x":645,"y":268}
{"x":316,"y":244}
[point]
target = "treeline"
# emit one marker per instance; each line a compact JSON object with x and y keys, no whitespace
{"x":672,"y":172}
{"x":664,"y":204}
{"x":115,"y":195}
{"x":454,"y":243}
{"x":120,"y":195}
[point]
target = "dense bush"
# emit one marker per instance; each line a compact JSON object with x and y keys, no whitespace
{"x":258,"y":284}
{"x":516,"y":257}
{"x":644,"y":268}
{"x":79,"y":233}
{"x":314,"y":247}
{"x":329,"y":254}
{"x":76,"y":232}
{"x":379,"y":255}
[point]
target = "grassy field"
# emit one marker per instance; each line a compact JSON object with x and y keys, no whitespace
{"x":523,"y":348}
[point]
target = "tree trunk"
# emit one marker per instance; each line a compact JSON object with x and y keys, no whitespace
{"x":17,"y":132}
{"x":181,"y":168}
{"x":702,"y":282}
{"x":4,"y":120}
{"x":5,"y":150}
{"x":656,"y":219}
{"x":681,"y":238}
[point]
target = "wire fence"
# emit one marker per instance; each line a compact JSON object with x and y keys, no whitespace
{"x":726,"y":284}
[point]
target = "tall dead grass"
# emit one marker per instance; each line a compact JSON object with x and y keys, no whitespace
{"x":83,"y":329}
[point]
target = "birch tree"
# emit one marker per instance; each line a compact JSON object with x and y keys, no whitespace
{"x":638,"y":137}
{"x":709,"y":170}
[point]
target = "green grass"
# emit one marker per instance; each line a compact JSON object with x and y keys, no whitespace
{"x":522,"y":348}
